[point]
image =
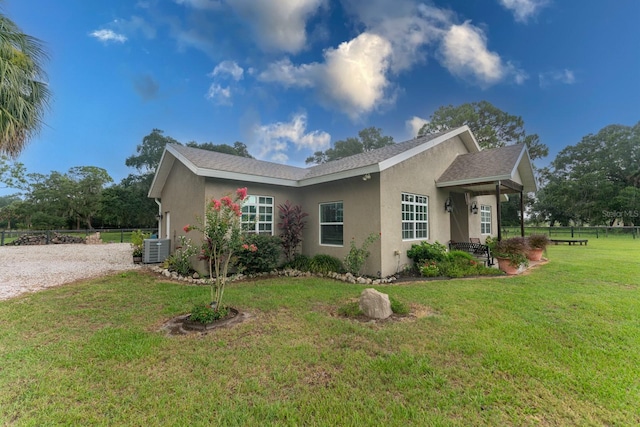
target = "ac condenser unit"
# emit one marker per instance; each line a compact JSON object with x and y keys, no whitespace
{"x":156,"y":250}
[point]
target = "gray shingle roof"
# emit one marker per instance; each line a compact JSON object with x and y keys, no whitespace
{"x":483,"y":165}
{"x":205,"y":159}
{"x":369,"y":158}
{"x":211,"y":160}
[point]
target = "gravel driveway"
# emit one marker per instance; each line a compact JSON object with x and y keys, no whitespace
{"x":32,"y":268}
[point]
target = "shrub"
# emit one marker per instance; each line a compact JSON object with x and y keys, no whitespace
{"x":299,"y":262}
{"x":462,"y":256}
{"x":357,"y":256}
{"x":454,"y":269}
{"x":426,"y":251}
{"x":205,"y":314}
{"x":180,"y":260}
{"x":430,"y":269}
{"x":324,"y":264}
{"x":265,"y":256}
{"x":291,"y":225}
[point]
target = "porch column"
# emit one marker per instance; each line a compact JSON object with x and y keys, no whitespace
{"x":521,"y":214}
{"x":498,"y":211}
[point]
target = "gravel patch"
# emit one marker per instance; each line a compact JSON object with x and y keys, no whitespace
{"x":32,"y":268}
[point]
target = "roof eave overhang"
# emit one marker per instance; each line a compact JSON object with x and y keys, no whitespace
{"x":340,"y":175}
{"x":160,"y":177}
{"x":463,"y":132}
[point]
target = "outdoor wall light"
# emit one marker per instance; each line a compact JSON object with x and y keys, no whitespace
{"x":448,"y":206}
{"x":366,"y":177}
{"x":474,"y":208}
{"x":159,"y":216}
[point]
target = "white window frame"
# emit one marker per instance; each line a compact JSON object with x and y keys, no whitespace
{"x":485,"y":223}
{"x":339,"y":222}
{"x":414,"y":209}
{"x":261,"y":220}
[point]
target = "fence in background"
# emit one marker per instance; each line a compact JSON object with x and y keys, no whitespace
{"x":123,"y":235}
{"x":120,"y":235}
{"x":575,"y":232}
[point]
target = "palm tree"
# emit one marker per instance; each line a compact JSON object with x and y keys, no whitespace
{"x":24,"y":94}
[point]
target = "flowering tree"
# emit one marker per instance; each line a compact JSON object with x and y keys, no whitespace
{"x":222,"y":238}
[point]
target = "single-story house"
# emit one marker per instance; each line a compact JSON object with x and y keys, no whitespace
{"x":439,"y":187}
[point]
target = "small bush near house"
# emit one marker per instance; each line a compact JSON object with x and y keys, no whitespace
{"x":430,"y":269}
{"x":291,"y":225}
{"x":356,"y":257}
{"x":180,"y":260}
{"x":324,"y":264}
{"x":265,"y":256}
{"x":299,"y":262}
{"x":456,"y":264}
{"x":426,"y":251}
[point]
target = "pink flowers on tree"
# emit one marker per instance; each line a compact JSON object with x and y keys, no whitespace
{"x":222,"y":237}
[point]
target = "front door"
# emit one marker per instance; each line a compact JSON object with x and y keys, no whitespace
{"x":459,"y":218}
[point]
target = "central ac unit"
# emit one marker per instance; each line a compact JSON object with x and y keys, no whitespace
{"x":156,"y":250}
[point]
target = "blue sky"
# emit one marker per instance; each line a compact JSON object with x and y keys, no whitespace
{"x":290,"y":77}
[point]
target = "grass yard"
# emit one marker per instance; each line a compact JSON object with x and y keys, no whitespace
{"x":557,"y":346}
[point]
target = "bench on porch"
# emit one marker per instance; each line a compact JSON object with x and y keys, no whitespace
{"x":474,"y":248}
{"x":570,"y":241}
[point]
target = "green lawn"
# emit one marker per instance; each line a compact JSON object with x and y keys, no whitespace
{"x":557,"y":346}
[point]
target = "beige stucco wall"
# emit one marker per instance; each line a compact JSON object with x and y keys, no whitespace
{"x":416,"y":175}
{"x":361,"y":205}
{"x":182,"y":201}
{"x":370,"y":206}
{"x":474,"y":220}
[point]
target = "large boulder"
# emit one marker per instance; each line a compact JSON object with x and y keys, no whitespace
{"x":374,"y":304}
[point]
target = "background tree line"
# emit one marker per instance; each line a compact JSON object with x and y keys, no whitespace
{"x":85,"y":197}
{"x":595,"y":182}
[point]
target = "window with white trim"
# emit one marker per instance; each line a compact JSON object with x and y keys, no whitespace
{"x":331,"y":223}
{"x":415,"y":217}
{"x":257,"y":215}
{"x":485,"y":219}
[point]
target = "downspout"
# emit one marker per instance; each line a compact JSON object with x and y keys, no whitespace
{"x":159,"y":216}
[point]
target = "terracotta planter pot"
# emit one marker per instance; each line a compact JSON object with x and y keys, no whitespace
{"x":505,"y":265}
{"x":535,"y":254}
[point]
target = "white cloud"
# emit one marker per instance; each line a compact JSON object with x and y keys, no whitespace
{"x":219,"y":95}
{"x":230,"y":68}
{"x":278,"y":25}
{"x":409,"y":27}
{"x":290,"y":75}
{"x":133,"y":25}
{"x":565,"y":76}
{"x":273,"y":140}
{"x":414,"y":124}
{"x":106,"y":36}
{"x":355,"y":73}
{"x":353,"y":76}
{"x":465,"y":54}
{"x":201,"y":4}
{"x":523,"y":9}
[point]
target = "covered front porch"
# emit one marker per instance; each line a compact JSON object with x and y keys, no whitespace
{"x":471,"y":177}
